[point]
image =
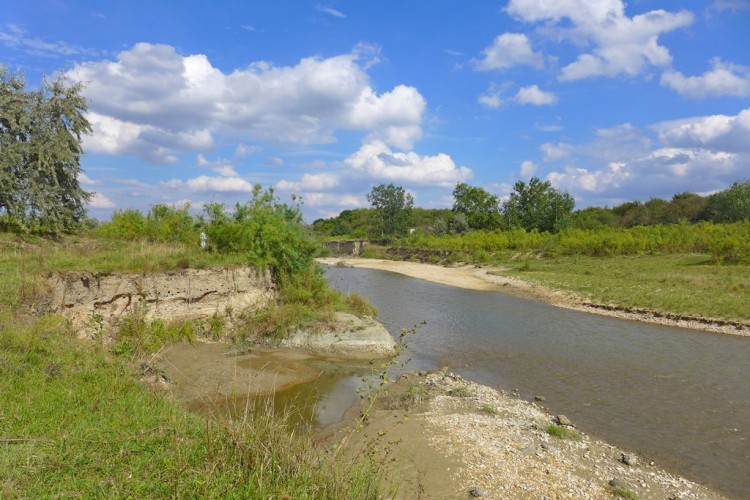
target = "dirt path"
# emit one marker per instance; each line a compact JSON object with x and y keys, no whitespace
{"x":479,"y":278}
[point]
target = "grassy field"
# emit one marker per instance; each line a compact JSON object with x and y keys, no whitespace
{"x":683,"y":284}
{"x":77,"y":421}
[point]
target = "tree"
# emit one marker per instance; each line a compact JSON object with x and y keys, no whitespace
{"x":481,"y":208}
{"x":392,"y":205}
{"x":730,"y":205}
{"x":537,"y":205}
{"x":40,"y":152}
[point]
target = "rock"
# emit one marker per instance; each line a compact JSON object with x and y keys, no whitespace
{"x":539,"y":398}
{"x":629,"y":460}
{"x":350,"y":336}
{"x":476,"y":491}
{"x":563,"y":420}
{"x":548,"y":447}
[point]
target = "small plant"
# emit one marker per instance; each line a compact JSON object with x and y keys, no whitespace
{"x":490,"y":409}
{"x":562,"y":432}
{"x":460,"y":391}
{"x":622,"y":492}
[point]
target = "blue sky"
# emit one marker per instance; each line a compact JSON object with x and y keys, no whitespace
{"x":196,"y":101}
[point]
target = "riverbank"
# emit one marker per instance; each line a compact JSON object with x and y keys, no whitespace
{"x":480,"y":278}
{"x":440,"y":436}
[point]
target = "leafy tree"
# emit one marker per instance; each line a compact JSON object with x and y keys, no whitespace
{"x":392,"y":205}
{"x":593,"y":217}
{"x":40,"y":141}
{"x":730,"y":205}
{"x":537,"y":205}
{"x":687,"y":207}
{"x":481,"y":208}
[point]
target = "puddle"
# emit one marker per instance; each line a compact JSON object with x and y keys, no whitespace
{"x":316,"y":391}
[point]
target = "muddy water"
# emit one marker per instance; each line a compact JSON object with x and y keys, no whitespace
{"x":214,"y":379}
{"x":677,"y":396}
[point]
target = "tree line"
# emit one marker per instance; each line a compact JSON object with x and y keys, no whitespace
{"x":532,"y":206}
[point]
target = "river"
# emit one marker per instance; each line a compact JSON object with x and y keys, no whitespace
{"x":680,"y":397}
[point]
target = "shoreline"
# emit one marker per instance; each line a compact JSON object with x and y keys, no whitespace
{"x":441,"y":436}
{"x":474,"y":277}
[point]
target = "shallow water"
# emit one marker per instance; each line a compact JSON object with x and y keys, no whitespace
{"x":680,"y":397}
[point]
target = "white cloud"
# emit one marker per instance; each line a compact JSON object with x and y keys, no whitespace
{"x":221,"y":166}
{"x":528,"y":168}
{"x":98,"y":200}
{"x":274,"y":161}
{"x":207,"y":184}
{"x":558,"y":151}
{"x":534,"y":95}
{"x":86,"y":180}
{"x":491,"y":99}
{"x":699,"y":154}
{"x":243,"y":150}
{"x":619,"y":44}
{"x":715,"y":132}
{"x":508,"y":50}
{"x":154,"y":103}
{"x":311,"y":182}
{"x":327,"y":9}
{"x":376,"y":160}
{"x":723,"y":79}
{"x":16,"y":37}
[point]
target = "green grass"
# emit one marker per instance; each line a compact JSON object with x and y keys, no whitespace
{"x":76,"y":421}
{"x":691,"y":285}
{"x":562,"y":432}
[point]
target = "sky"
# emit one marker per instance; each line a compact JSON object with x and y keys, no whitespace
{"x":196,"y":101}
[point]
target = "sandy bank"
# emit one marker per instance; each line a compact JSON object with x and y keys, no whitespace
{"x":440,"y":436}
{"x":479,"y":278}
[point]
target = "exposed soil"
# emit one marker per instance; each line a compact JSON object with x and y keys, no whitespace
{"x":491,"y":279}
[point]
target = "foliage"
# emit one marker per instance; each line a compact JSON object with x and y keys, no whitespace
{"x":482,"y":209}
{"x":270,"y":233}
{"x":40,"y":140}
{"x":392,"y":205}
{"x":730,"y":205}
{"x":538,"y":206}
{"x":162,"y":224}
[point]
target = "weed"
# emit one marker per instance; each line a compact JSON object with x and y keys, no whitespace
{"x":562,"y":432}
{"x":460,"y":391}
{"x":622,"y":492}
{"x":490,"y":409}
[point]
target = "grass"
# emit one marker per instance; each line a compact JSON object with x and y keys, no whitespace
{"x":562,"y":432}
{"x":689,"y":285}
{"x":76,"y":421}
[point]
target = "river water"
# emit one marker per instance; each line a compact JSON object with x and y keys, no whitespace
{"x":680,"y":397}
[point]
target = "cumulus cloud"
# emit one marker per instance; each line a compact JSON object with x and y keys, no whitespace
{"x":508,"y":50}
{"x":208,"y":184}
{"x":221,"y":166}
{"x":619,"y":44}
{"x":698,"y":154}
{"x":491,"y":99}
{"x":155,"y":103}
{"x":528,"y":168}
{"x":723,"y":79}
{"x":376,"y":160}
{"x":274,"y":161}
{"x":715,"y":132}
{"x":98,"y":200}
{"x":534,"y":95}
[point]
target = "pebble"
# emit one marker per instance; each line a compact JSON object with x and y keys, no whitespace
{"x":539,"y":398}
{"x":629,"y":460}
{"x":476,"y":491}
